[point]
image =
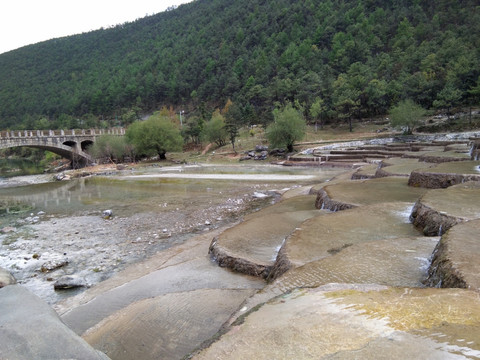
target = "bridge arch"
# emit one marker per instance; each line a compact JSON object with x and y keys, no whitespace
{"x":84,"y":145}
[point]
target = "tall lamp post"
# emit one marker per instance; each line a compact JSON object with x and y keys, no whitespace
{"x":181,"y":122}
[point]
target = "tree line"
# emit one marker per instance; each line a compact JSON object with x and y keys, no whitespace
{"x":335,"y":60}
{"x":161,"y":133}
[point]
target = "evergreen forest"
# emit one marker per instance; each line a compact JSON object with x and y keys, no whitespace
{"x":331,"y":59}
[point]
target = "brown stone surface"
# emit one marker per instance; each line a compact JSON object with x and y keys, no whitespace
{"x":440,"y":209}
{"x":445,"y":175}
{"x":456,"y":258}
{"x":180,"y":287}
{"x":400,"y":167}
{"x":165,"y":327}
{"x":251,"y":247}
{"x":321,"y":236}
{"x":347,"y":195}
{"x":353,"y":322}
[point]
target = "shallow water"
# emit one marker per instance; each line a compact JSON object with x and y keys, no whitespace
{"x":62,"y":221}
{"x":388,"y":189}
{"x":459,"y":200}
{"x":324,"y":235}
{"x":457,"y":167}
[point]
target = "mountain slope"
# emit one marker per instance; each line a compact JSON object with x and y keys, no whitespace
{"x":256,"y":52}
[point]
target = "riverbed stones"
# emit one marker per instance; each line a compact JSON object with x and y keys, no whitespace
{"x":440,"y":209}
{"x":62,"y":177}
{"x":7,"y":229}
{"x":107,"y":214}
{"x":6,"y":278}
{"x":69,"y":282}
{"x":456,"y":258}
{"x":30,"y":329}
{"x":53,"y":264}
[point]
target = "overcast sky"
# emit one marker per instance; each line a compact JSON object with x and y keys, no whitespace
{"x":25,"y":22}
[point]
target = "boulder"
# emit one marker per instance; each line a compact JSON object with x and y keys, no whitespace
{"x":277,"y":152}
{"x":261,"y":148}
{"x":30,"y":329}
{"x":61,"y":177}
{"x":6,"y":278}
{"x":262,"y":156}
{"x":107,"y":214}
{"x":7,"y":229}
{"x":69,"y":282}
{"x":53,"y":264}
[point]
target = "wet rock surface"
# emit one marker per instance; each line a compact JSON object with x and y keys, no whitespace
{"x":164,"y":307}
{"x":398,"y":262}
{"x":445,"y":175}
{"x":455,"y":261}
{"x":355,"y":322}
{"x":251,"y":247}
{"x":30,"y":329}
{"x":348,"y":195}
{"x":400,"y":167}
{"x":329,"y":234}
{"x":318,"y":302}
{"x":438,"y":210}
{"x":6,"y":278}
{"x":371,"y":241}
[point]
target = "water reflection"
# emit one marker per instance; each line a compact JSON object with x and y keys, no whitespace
{"x":18,"y":167}
{"x":149,"y":191}
{"x":150,"y":215}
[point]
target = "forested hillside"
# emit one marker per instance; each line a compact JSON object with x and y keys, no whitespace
{"x":351,"y":58}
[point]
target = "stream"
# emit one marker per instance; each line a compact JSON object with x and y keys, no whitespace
{"x":50,"y":229}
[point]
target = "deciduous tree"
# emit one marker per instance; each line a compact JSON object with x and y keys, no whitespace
{"x":288,"y":127}
{"x":214,"y":129}
{"x":156,"y":135}
{"x":407,"y":115}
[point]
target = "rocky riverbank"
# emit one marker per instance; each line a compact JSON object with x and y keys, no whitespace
{"x":342,"y":281}
{"x":49,"y":251}
{"x":368,"y":239}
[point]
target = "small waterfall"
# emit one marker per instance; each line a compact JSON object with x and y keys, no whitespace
{"x":440,"y":230}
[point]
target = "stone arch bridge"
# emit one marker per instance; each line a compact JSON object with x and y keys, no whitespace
{"x":70,"y":144}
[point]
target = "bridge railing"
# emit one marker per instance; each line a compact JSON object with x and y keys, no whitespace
{"x":8,"y":134}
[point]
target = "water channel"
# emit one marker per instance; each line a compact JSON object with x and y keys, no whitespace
{"x":55,"y":228}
